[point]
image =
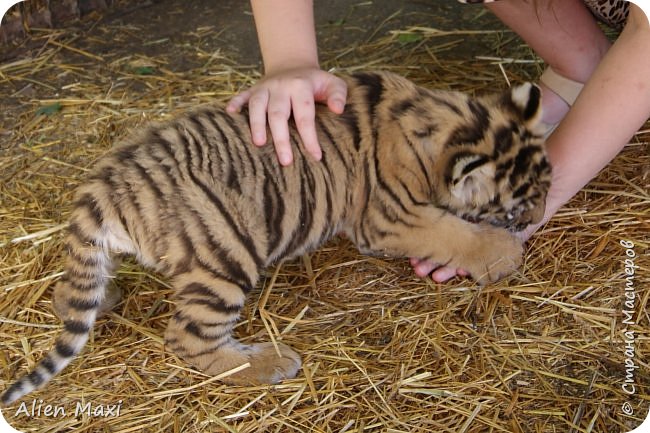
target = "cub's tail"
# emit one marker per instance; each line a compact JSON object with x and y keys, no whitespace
{"x":79,"y":297}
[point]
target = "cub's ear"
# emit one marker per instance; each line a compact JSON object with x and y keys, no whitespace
{"x":472,"y":178}
{"x":528,"y":98}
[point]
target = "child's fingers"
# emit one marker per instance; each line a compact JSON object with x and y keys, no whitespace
{"x":238,"y":101}
{"x":275,"y":99}
{"x":439,"y":274}
{"x":278,"y":111}
{"x":304,"y":113}
{"x":257,"y":105}
{"x":423,"y":268}
{"x":443,"y":274}
{"x":337,"y":93}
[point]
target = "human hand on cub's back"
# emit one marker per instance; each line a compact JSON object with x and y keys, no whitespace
{"x":293,"y":92}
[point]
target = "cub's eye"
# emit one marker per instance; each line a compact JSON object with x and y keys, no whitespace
{"x":509,"y":216}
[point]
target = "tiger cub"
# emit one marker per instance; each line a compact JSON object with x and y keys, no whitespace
{"x":403,"y":170}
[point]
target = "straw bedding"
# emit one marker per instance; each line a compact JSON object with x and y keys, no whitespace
{"x":542,"y":351}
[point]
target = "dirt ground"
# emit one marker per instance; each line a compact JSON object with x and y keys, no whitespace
{"x":169,"y":26}
{"x":184,"y":34}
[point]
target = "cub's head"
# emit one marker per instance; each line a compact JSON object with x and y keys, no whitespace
{"x":496,"y":169}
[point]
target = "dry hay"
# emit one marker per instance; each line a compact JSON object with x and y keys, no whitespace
{"x":542,"y":351}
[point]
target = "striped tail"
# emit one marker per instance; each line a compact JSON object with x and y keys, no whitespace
{"x":82,"y":292}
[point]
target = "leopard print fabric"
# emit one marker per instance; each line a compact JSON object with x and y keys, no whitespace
{"x":611,"y":12}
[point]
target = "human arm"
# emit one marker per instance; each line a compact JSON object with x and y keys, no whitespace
{"x":293,"y":80}
{"x":612,"y":106}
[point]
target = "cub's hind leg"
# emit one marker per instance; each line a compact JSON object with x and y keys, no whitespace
{"x":200,"y":332}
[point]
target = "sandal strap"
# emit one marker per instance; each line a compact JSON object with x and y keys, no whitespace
{"x":564,"y":87}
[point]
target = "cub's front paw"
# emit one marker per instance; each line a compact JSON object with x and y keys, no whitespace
{"x":498,"y":253}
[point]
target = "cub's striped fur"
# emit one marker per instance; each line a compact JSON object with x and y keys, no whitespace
{"x":403,"y":169}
